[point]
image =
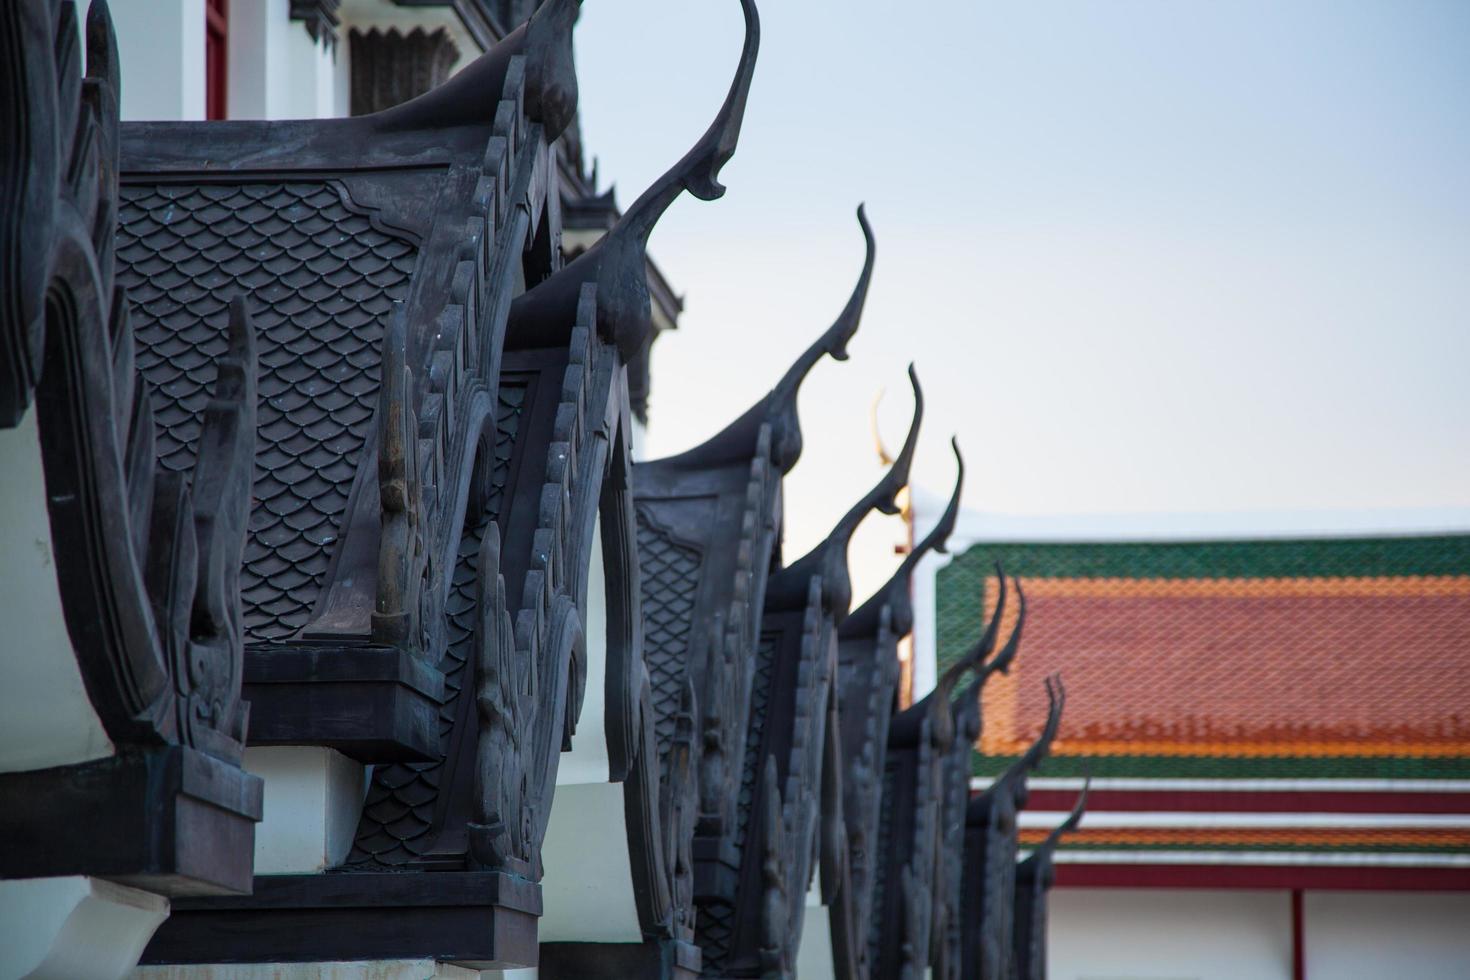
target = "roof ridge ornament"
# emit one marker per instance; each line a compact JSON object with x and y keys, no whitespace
{"x":777,"y":410}
{"x":894,"y":594}
{"x":1015,"y":776}
{"x":617,"y":262}
{"x":829,"y":559}
{"x":944,"y":721}
{"x":1074,"y":819}
{"x":471,"y":96}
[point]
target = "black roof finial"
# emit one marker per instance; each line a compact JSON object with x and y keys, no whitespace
{"x":1056,"y":696}
{"x":829,"y":559}
{"x":617,"y":263}
{"x":778,"y":408}
{"x":698,"y":170}
{"x":1046,"y":847}
{"x":895,"y":592}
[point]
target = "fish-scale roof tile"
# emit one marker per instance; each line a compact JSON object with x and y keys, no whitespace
{"x":183,"y":250}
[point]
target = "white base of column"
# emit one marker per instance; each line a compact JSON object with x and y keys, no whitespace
{"x":313,"y":798}
{"x":74,"y":928}
{"x":814,"y":955}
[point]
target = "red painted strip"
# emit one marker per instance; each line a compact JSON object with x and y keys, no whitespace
{"x":1251,"y":801}
{"x":1262,"y":876}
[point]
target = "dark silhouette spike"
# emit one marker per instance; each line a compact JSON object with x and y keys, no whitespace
{"x":787,"y":587}
{"x":778,"y":408}
{"x":938,"y":537}
{"x":972,"y":658}
{"x":1001,"y":662}
{"x":894,"y":594}
{"x":834,"y":339}
{"x":698,"y":170}
{"x":618,"y":263}
{"x":1056,"y":695}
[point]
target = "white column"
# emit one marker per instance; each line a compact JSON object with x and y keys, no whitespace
{"x":587,"y":891}
{"x":74,"y":928}
{"x":46,"y":718}
{"x":313,"y":798}
{"x":276,"y":69}
{"x":161,"y":45}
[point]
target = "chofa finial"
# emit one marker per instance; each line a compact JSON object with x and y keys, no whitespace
{"x":895,"y":594}
{"x":777,"y":410}
{"x":829,"y":559}
{"x":617,"y":263}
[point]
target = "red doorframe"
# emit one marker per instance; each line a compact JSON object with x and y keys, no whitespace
{"x":216,"y":58}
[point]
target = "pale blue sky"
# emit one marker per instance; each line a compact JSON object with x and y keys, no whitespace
{"x":1150,"y":257}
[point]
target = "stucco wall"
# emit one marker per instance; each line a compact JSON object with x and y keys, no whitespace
{"x":1169,"y":934}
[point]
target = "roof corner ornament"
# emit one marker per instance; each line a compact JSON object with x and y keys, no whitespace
{"x":974,"y":659}
{"x":1034,"y":877}
{"x":498,"y":835}
{"x":223,"y":470}
{"x":775,"y":945}
{"x":617,"y":263}
{"x":895,"y":595}
{"x":773,"y":422}
{"x":781,"y":403}
{"x":551,"y":75}
{"x":987,"y":945}
{"x":159,"y":648}
{"x":829,"y":559}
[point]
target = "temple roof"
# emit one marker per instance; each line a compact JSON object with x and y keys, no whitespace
{"x":1262,"y":666}
{"x":1309,"y":657}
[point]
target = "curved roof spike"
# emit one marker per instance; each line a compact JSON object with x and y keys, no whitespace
{"x":778,"y":408}
{"x":1001,"y":662}
{"x":895,"y":592}
{"x":829,"y":559}
{"x":1056,"y":696}
{"x":833,"y":340}
{"x":698,"y":170}
{"x":1043,"y":852}
{"x":1074,"y":819}
{"x":972,"y":658}
{"x":938,"y":537}
{"x":617,"y":263}
{"x":472,"y":95}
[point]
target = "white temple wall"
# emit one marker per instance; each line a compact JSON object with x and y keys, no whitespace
{"x":276,"y":70}
{"x":1372,"y":935}
{"x":46,"y":718}
{"x":587,"y":891}
{"x":161,"y":47}
{"x":1169,"y":934}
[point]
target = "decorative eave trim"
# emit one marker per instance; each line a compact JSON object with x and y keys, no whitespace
{"x":320,"y":18}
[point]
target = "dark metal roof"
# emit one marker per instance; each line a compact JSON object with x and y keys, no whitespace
{"x":321,"y":280}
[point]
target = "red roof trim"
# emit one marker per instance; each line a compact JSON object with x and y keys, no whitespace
{"x":1231,"y":876}
{"x":1251,"y":801}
